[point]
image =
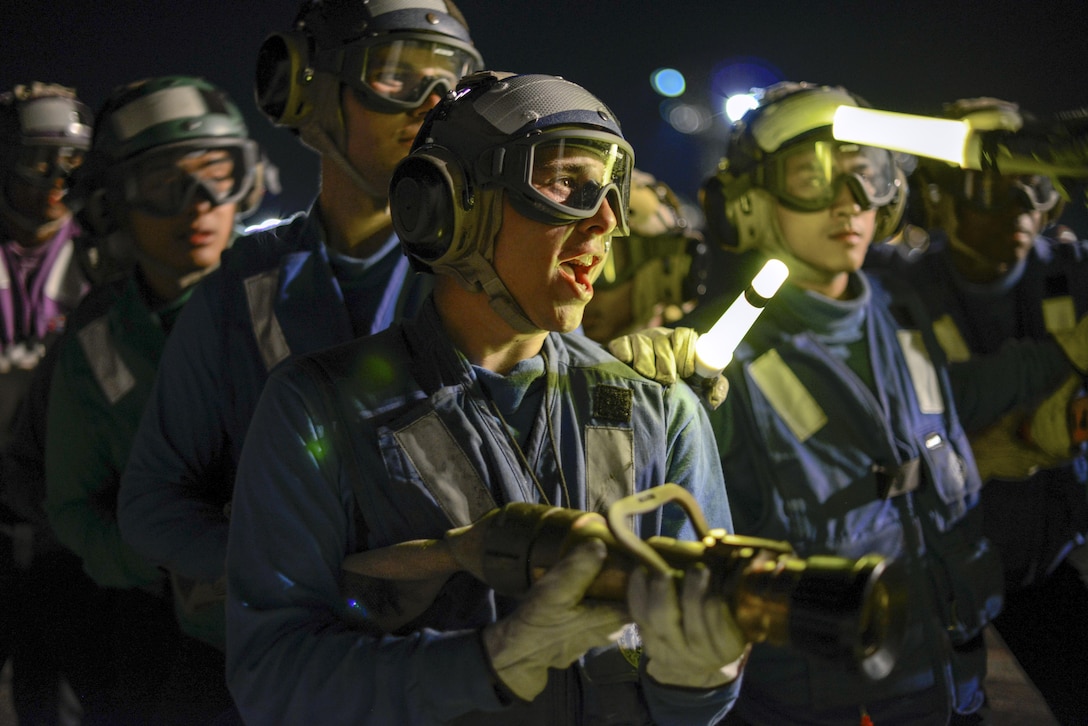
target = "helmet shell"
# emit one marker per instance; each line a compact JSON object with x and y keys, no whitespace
{"x":42,"y":115}
{"x":334,"y":23}
{"x":159,"y":112}
{"x":788,"y":112}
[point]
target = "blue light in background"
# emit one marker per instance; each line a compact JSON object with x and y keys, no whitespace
{"x":668,"y":82}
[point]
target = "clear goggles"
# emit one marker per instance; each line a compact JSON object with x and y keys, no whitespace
{"x":807,"y":177}
{"x":166,"y":183}
{"x":990,"y":192}
{"x":41,"y":166}
{"x":563,"y":176}
{"x":399,"y":75}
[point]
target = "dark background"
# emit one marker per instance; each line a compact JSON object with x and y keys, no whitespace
{"x":907,"y":56}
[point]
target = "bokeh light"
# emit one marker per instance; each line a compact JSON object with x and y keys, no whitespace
{"x":668,"y":82}
{"x":687,"y":118}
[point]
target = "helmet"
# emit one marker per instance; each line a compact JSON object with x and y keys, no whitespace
{"x":373,"y":46}
{"x":783,"y":151}
{"x":986,"y":191}
{"x":44,"y":133}
{"x":144,"y":123}
{"x":491,"y":138}
{"x":42,"y":115}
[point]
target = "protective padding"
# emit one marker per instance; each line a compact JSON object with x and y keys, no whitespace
{"x":427,"y":202}
{"x":283,"y":78}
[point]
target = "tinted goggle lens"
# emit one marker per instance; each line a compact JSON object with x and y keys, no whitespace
{"x":809,"y":176}
{"x":167,"y":184}
{"x":574,"y":175}
{"x":990,"y":192}
{"x":43,"y":165}
{"x":406,"y":72}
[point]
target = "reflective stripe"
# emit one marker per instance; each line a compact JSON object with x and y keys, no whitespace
{"x":1059,"y":314}
{"x":610,"y":466}
{"x":5,"y":278}
{"x":787,"y":395}
{"x":261,"y":297}
{"x":65,"y":282}
{"x":111,"y":373}
{"x":922,"y":373}
{"x":951,"y":340}
{"x":445,"y":470}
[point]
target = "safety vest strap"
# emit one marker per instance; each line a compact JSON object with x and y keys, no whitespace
{"x":445,"y":470}
{"x":261,"y":297}
{"x":109,"y":369}
{"x":787,"y":395}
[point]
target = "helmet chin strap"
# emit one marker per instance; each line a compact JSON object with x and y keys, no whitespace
{"x":325,"y":133}
{"x":470,"y":262}
{"x":764,"y":233}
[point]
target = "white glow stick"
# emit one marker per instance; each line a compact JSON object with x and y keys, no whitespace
{"x":949,"y":140}
{"x":714,"y":350}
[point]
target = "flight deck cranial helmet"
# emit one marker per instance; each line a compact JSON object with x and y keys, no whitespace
{"x":140,"y":132}
{"x":505,"y":135}
{"x":783,"y":152}
{"x":983,"y":191}
{"x":146,"y":133}
{"x":392,"y":54}
{"x":45,"y":132}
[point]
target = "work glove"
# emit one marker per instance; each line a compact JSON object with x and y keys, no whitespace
{"x":552,"y":627}
{"x":1019,"y":445}
{"x":667,"y":355}
{"x":689,"y":639}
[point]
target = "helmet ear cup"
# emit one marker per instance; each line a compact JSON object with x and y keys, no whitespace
{"x":283,"y":77}
{"x":427,"y":201}
{"x":890,"y":216}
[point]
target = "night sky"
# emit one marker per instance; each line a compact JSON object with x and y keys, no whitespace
{"x":907,"y":56}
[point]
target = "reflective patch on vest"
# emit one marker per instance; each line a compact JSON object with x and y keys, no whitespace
{"x":922,"y":373}
{"x":111,"y":373}
{"x":1059,"y":314}
{"x":787,"y":395}
{"x":610,"y":466}
{"x":261,"y":297}
{"x":613,"y":403}
{"x":65,"y":283}
{"x":445,"y":470}
{"x":951,"y":340}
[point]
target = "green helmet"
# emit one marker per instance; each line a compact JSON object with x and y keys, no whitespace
{"x":166,"y":111}
{"x":167,"y":115}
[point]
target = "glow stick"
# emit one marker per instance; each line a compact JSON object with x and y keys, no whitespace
{"x":949,"y":140}
{"x":714,"y":350}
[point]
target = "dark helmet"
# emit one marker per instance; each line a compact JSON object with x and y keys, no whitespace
{"x":167,"y":115}
{"x":986,"y":191}
{"x":364,"y":43}
{"x":484,"y":142}
{"x":793,"y":119}
{"x":486,"y":136}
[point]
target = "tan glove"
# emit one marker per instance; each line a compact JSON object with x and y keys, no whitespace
{"x":1017,"y":446}
{"x":667,"y":355}
{"x":690,"y":640}
{"x":1049,"y":426}
{"x":552,"y":627}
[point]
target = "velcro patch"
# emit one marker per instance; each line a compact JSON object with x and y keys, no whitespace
{"x":613,"y":403}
